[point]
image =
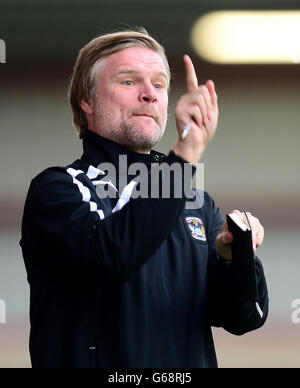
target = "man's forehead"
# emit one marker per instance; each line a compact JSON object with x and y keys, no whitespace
{"x":136,"y":58}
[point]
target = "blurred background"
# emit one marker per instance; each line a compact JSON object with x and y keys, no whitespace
{"x":253,"y":161}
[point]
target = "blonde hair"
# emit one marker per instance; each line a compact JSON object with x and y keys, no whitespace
{"x":91,"y":60}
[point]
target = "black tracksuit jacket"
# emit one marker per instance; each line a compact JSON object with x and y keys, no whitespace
{"x":125,"y":286}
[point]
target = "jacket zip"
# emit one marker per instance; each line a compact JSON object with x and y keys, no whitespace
{"x":168,"y":305}
{"x":93,"y":356}
{"x":91,"y":333}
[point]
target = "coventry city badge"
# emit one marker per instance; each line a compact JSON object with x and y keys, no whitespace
{"x":196,"y":227}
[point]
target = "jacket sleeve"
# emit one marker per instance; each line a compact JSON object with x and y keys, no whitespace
{"x":60,"y":229}
{"x":226,"y":307}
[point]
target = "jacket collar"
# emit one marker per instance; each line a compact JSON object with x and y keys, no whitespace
{"x":98,"y":149}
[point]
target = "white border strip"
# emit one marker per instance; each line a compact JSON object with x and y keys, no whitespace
{"x":85,"y":191}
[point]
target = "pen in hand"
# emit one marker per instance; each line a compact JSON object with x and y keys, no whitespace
{"x":187,"y":129}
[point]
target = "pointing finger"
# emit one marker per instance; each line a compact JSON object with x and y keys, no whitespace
{"x":191,"y":78}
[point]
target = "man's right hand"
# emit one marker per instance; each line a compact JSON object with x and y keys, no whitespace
{"x":199,"y":104}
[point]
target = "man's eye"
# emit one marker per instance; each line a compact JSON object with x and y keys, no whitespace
{"x":128,"y":83}
{"x":158,"y":86}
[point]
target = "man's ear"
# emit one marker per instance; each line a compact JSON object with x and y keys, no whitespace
{"x":87,"y":107}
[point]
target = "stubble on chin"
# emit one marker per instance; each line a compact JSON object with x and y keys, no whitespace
{"x":136,"y":140}
{"x":126,"y":133}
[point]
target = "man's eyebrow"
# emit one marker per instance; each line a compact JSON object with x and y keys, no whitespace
{"x":136,"y":72}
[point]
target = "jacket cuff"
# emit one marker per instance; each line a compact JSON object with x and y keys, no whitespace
{"x":174,"y":158}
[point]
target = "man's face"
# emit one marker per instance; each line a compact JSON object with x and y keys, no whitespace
{"x":131,"y":100}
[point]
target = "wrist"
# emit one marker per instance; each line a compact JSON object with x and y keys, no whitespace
{"x":190,"y":155}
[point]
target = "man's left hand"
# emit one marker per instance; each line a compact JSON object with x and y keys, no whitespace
{"x":225,"y":238}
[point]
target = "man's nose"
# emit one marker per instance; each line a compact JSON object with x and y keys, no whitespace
{"x":148,"y":93}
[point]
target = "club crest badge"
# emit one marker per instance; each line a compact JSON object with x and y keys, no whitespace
{"x":196,"y":227}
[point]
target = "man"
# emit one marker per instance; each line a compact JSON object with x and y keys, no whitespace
{"x":118,"y":281}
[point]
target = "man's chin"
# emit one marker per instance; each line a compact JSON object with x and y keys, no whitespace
{"x":146,"y":124}
{"x":141,"y":139}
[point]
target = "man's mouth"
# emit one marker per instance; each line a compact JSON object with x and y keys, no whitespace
{"x":145,"y":115}
{"x":153,"y":117}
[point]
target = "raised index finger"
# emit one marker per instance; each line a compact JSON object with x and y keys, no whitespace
{"x":191,"y":78}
